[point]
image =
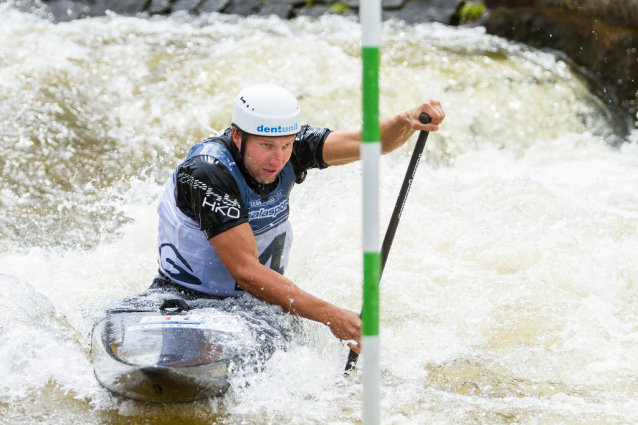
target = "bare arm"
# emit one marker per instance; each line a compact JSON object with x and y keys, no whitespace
{"x":237,"y":249}
{"x":342,"y":147}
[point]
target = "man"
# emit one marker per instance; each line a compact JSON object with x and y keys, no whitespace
{"x":224,"y":227}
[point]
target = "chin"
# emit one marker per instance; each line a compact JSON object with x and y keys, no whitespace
{"x":268,"y":179}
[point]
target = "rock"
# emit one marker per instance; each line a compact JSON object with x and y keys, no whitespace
{"x":100,"y":8}
{"x":66,"y":10}
{"x":318,"y":10}
{"x":594,"y":35}
{"x":493,"y":4}
{"x":293,"y":3}
{"x":185,"y":5}
{"x":617,"y":66}
{"x":284,"y":11}
{"x":121,"y":7}
{"x":622,"y":13}
{"x":244,"y":7}
{"x":417,"y":11}
{"x":210,"y":6}
{"x":313,"y":11}
{"x":159,"y":6}
{"x":393,"y":4}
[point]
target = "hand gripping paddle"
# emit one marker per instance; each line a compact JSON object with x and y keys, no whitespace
{"x":398,"y":210}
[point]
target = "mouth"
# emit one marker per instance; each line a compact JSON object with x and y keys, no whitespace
{"x":269,"y":172}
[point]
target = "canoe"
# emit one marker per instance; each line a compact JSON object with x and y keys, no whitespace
{"x":157,"y":356}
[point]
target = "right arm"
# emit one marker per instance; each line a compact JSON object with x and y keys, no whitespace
{"x":237,"y":249}
{"x":200,"y":182}
{"x":343,"y":146}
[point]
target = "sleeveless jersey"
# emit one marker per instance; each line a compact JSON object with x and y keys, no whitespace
{"x":185,"y":253}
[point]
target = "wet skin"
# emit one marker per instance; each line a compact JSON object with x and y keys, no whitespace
{"x":265,"y":156}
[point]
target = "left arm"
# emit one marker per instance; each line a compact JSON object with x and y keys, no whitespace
{"x":343,"y":146}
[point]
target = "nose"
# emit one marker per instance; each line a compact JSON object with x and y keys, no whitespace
{"x":277,"y":158}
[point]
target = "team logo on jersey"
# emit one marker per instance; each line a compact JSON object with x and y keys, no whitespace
{"x":176,"y":266}
{"x":273,"y":198}
{"x":224,"y":205}
{"x":268,"y":212}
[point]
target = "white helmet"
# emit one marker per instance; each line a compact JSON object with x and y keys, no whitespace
{"x":267,"y":110}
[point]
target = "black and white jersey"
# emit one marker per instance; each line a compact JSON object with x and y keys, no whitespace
{"x":210,"y":193}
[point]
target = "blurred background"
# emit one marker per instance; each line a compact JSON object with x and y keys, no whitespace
{"x":511,"y":292}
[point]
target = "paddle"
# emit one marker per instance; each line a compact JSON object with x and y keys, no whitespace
{"x":398,"y":210}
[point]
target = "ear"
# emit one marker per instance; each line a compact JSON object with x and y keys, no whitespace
{"x":236,"y":137}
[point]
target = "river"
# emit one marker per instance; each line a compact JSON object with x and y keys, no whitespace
{"x":511,"y":292}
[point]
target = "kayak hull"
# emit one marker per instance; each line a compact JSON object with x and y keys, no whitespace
{"x":163,"y":358}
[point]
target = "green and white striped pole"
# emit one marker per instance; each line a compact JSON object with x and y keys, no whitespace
{"x":370,"y":16}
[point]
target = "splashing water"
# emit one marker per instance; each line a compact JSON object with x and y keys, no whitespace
{"x":510,"y":294}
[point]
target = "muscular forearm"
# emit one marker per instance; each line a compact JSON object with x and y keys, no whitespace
{"x":343,"y":147}
{"x":273,"y":288}
{"x":395,"y":131}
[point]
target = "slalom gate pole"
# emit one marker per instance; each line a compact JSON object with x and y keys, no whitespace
{"x":370,"y":17}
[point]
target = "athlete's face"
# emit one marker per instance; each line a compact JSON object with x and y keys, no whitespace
{"x":265,"y":156}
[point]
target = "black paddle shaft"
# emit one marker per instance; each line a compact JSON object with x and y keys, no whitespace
{"x":398,"y":210}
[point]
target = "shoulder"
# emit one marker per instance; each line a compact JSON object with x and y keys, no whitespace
{"x":307,"y":150}
{"x":219,"y":146}
{"x":206,"y":172}
{"x":310,"y":134}
{"x":210,"y":163}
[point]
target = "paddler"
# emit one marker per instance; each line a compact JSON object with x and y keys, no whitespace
{"x":223,"y":218}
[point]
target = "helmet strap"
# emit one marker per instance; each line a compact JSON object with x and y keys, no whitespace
{"x":243,"y":144}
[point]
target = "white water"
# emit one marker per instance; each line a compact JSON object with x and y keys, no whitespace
{"x":510,"y":295}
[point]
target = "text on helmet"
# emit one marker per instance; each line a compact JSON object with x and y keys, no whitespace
{"x":278,"y":129}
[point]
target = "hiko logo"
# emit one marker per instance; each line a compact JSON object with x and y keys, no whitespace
{"x":278,"y":129}
{"x":223,"y":205}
